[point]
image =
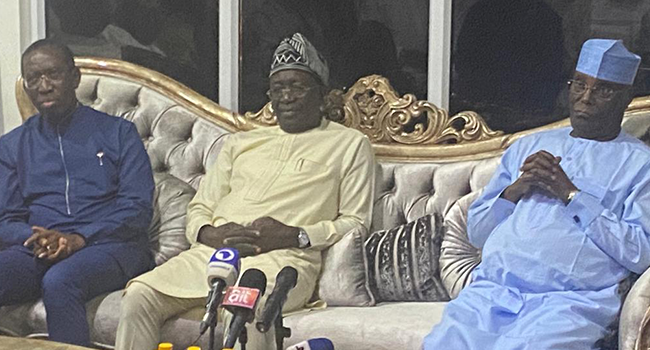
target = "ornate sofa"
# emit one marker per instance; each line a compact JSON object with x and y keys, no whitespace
{"x":438,"y":166}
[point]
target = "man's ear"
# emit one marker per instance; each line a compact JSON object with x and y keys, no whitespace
{"x":76,"y":76}
{"x":628,"y":96}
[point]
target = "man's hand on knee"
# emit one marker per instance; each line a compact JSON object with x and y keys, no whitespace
{"x":53,"y":245}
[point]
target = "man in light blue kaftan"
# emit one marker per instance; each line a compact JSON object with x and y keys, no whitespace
{"x":564,"y":219}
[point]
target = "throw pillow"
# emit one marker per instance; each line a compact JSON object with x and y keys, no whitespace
{"x":403,"y":262}
{"x":343,"y":281}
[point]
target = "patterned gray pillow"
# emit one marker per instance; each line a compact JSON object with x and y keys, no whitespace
{"x":403,"y":261}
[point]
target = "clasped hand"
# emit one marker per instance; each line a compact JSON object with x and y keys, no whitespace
{"x":541,"y":172}
{"x":263,"y":235}
{"x":53,"y":245}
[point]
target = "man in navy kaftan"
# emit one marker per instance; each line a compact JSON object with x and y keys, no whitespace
{"x":76,"y":193}
{"x":564,"y":219}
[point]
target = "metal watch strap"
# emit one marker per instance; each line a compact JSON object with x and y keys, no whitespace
{"x":303,"y":239}
{"x":571,"y":194}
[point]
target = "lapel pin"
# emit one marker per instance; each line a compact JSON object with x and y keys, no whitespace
{"x":100,"y":154}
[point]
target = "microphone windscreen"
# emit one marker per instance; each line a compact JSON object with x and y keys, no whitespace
{"x":289,"y":274}
{"x":253,"y":278}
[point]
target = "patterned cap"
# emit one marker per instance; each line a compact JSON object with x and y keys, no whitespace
{"x":298,"y":53}
{"x":608,"y":60}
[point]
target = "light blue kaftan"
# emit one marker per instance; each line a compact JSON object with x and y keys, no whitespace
{"x":549,"y":272}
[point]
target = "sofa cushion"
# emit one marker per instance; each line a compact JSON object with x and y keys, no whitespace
{"x":22,"y":320}
{"x":343,"y":281}
{"x":384,"y":326}
{"x":403,"y":261}
{"x":167,"y":229}
{"x":458,"y":257}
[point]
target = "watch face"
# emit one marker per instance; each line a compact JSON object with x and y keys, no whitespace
{"x":303,"y":239}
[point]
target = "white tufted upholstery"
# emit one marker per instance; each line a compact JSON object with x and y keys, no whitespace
{"x":407,"y":191}
{"x":178,"y":141}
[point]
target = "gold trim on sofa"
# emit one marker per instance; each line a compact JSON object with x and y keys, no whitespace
{"x":371,"y":105}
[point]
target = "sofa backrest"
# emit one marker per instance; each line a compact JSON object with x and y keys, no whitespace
{"x":426,"y":159}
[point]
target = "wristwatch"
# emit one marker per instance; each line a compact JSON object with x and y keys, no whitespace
{"x":303,"y":239}
{"x":571,"y":194}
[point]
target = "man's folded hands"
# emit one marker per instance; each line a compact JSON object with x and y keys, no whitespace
{"x":53,"y":245}
{"x":262,"y":235}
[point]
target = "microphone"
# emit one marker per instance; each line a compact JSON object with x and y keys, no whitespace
{"x":223,"y":270}
{"x":284,"y":282}
{"x":313,"y":344}
{"x":241,"y":301}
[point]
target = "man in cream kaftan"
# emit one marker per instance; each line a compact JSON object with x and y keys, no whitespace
{"x":279,"y":195}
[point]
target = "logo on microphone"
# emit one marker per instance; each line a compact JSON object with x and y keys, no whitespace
{"x":241,"y":297}
{"x":224,"y":254}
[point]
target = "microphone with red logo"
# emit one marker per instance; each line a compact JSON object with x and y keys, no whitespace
{"x":313,"y":344}
{"x":241,"y":302}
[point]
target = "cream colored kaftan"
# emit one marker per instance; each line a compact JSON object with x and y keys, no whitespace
{"x":321,"y":180}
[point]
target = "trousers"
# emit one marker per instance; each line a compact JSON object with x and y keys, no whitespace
{"x":144,"y":310}
{"x":65,"y":286}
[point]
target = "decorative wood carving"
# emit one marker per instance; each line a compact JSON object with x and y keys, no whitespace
{"x":373,"y":107}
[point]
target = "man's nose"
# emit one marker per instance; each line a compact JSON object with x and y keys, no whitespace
{"x":286,"y":95}
{"x":587,"y":96}
{"x":44,"y":84}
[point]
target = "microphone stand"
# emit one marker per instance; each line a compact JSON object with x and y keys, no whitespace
{"x":213,"y":327}
{"x":281,"y":332}
{"x":243,"y":339}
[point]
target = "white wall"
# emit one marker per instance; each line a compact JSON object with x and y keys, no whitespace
{"x":439,"y":52}
{"x":22,"y":23}
{"x":9,"y":64}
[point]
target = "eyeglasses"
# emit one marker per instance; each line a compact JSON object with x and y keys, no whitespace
{"x":604,"y":93}
{"x":54,"y":75}
{"x":293,"y":90}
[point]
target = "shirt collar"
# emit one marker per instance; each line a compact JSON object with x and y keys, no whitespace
{"x":324,"y":123}
{"x":63,"y":125}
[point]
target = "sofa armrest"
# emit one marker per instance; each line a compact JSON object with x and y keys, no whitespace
{"x":635,"y":316}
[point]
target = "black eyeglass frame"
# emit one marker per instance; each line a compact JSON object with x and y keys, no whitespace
{"x":604,"y":93}
{"x":295,"y":91}
{"x":53,"y":75}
